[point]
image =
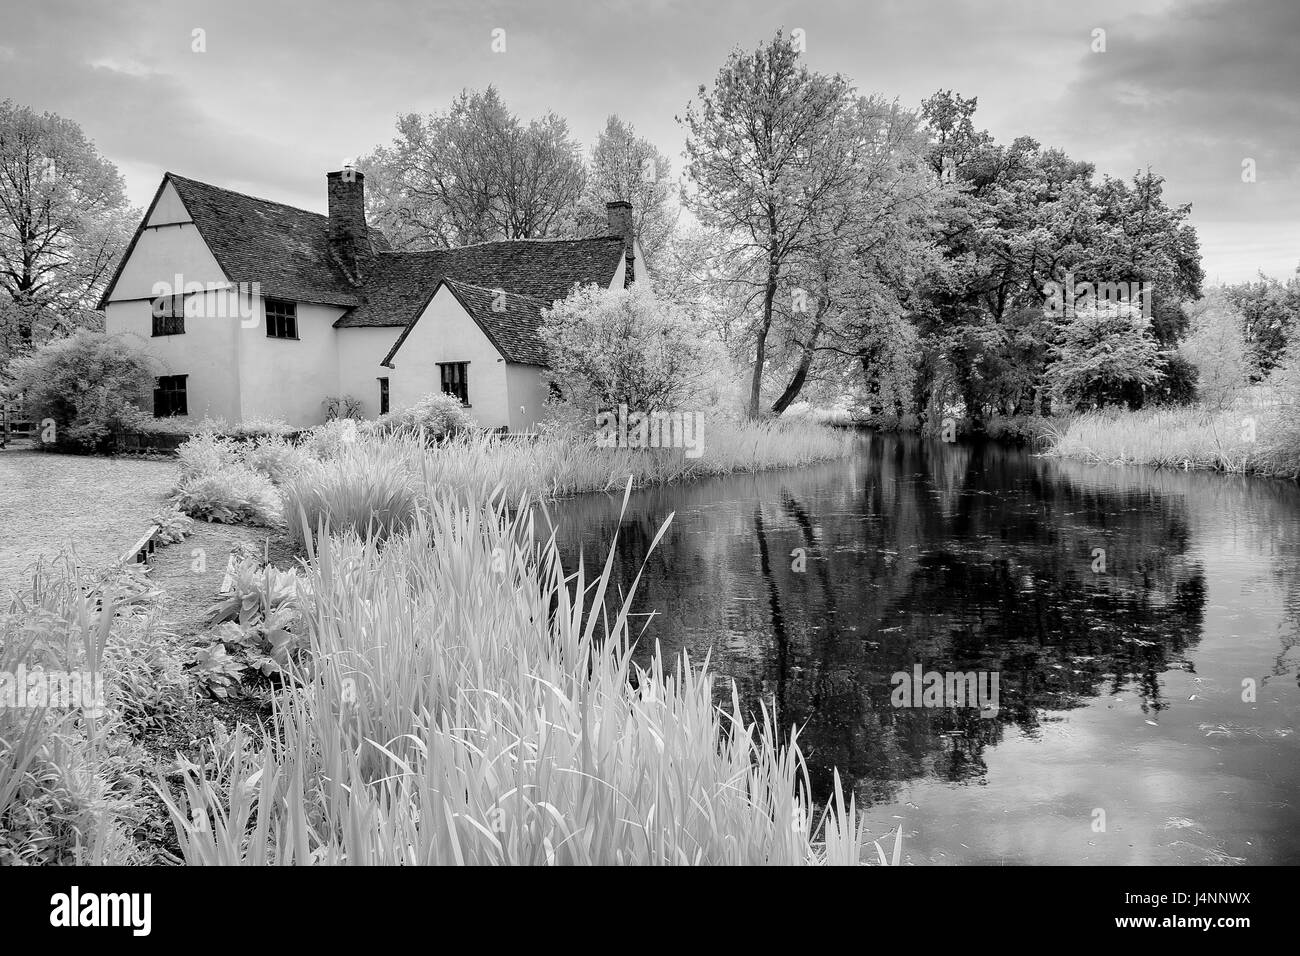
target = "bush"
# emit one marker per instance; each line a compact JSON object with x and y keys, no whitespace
{"x":273,"y":457}
{"x":611,"y":347}
{"x":327,"y":441}
{"x":204,"y":454}
{"x":234,"y":494}
{"x":437,"y":414}
{"x":91,"y":385}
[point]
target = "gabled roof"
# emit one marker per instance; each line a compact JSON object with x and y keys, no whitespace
{"x":286,"y":249}
{"x":509,"y":321}
{"x":400,"y":283}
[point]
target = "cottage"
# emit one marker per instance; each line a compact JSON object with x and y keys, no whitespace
{"x":255,"y":309}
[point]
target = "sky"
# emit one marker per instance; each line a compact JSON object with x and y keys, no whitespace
{"x":285,"y":90}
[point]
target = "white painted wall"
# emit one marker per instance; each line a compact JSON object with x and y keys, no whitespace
{"x":528,"y":391}
{"x":359,"y":353}
{"x":445,"y":332}
{"x":289,"y":378}
{"x":206,"y":352}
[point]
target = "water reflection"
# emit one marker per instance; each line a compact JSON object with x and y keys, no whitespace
{"x":1088,"y":589}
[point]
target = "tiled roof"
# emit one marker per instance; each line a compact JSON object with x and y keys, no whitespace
{"x":400,"y":283}
{"x":284,"y":248}
{"x":509,"y":321}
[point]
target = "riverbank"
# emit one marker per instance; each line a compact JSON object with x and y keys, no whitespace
{"x":394,"y":663}
{"x":1246,"y":439}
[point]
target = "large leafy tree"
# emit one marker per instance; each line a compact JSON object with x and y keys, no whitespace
{"x":627,"y":167}
{"x":1013,"y":219}
{"x":64,"y":222}
{"x":764,"y":162}
{"x":475,"y":173}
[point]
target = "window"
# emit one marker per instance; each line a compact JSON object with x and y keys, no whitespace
{"x":454,"y":380}
{"x":169,"y":315}
{"x":383,"y":396}
{"x":169,"y":396}
{"x":281,"y":319}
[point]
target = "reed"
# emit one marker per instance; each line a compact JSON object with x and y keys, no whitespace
{"x":468,"y":701}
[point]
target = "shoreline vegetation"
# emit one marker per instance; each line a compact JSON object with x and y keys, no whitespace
{"x":1258,"y":434}
{"x":428,"y":685}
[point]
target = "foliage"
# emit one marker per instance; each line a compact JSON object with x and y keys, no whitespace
{"x":1100,"y":352}
{"x":206,"y":453}
{"x":475,"y":173}
{"x":627,"y":167}
{"x":172,"y":524}
{"x":64,"y":222}
{"x":611,"y":347}
{"x":367,"y":490}
{"x":273,"y":457}
{"x":817,"y":195}
{"x":66,"y":793}
{"x":232,"y":494}
{"x":342,"y":406}
{"x":1270,"y":313}
{"x":464,"y":709}
{"x":437,"y":415}
{"x":90,"y":384}
{"x":1216,"y":347}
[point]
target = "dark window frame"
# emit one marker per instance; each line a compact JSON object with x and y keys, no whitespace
{"x":383,"y":395}
{"x":281,"y":318}
{"x":171,"y":396}
{"x":168,"y":315}
{"x":457,"y":382}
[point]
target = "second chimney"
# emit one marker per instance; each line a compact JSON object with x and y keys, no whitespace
{"x":348,"y":235}
{"x":620,"y":224}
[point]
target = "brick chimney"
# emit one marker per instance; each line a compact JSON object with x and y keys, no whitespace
{"x":349,"y":236}
{"x":620,"y":224}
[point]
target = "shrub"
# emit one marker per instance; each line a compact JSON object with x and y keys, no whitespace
{"x":234,"y":494}
{"x":368,"y":490}
{"x":90,"y":385}
{"x":273,"y":457}
{"x":436,"y":414}
{"x":328,"y":440}
{"x":342,"y":406}
{"x":206,"y":453}
{"x":611,"y":347}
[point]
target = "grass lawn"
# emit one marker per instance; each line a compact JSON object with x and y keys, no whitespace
{"x":97,"y":506}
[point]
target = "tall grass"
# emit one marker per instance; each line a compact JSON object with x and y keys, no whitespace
{"x":1244,"y":439}
{"x":559,"y":465}
{"x":470,"y":702}
{"x":59,"y":801}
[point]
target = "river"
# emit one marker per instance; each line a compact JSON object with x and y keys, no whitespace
{"x":1142,"y":626}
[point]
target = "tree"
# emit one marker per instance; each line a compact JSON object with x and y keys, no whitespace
{"x":1270,"y":313}
{"x":1100,"y":352}
{"x":64,"y":222}
{"x":1217,"y":348}
{"x":475,"y":173}
{"x":611,"y":347}
{"x":763,"y":159}
{"x":626,"y":167}
{"x":89,"y":384}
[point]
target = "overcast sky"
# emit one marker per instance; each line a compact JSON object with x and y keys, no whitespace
{"x":286,"y":90}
